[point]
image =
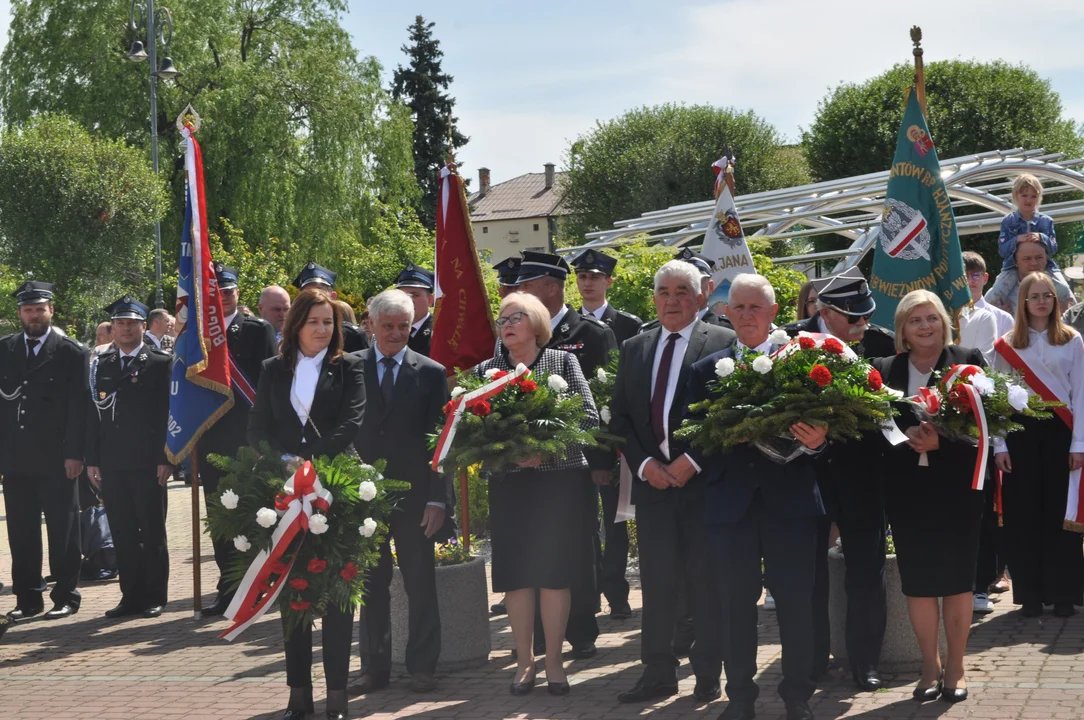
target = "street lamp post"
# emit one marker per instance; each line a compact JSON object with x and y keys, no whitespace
{"x":158,"y":25}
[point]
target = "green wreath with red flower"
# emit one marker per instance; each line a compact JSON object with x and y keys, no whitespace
{"x":322,"y":566}
{"x":533,"y":415}
{"x":813,"y":378}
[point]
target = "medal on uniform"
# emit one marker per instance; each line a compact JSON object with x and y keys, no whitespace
{"x":101,"y":395}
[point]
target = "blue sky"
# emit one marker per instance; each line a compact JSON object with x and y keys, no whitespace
{"x":530,"y":77}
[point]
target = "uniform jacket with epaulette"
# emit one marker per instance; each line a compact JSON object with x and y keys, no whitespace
{"x":250,"y":341}
{"x":43,"y":405}
{"x":420,"y":341}
{"x":623,"y":324}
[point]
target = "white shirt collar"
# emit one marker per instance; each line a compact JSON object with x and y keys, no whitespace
{"x":685,"y":332}
{"x":765,"y":347}
{"x":318,"y":360}
{"x":820,"y":324}
{"x":397,"y":357}
{"x":41,"y":341}
{"x":556,"y":319}
{"x":418,"y":325}
{"x":598,"y":312}
{"x":131,"y":354}
{"x":230,"y":318}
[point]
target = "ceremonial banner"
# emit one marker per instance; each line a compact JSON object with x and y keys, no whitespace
{"x":918,"y":247}
{"x":724,"y":240}
{"x":463,"y":334}
{"x":200,"y":389}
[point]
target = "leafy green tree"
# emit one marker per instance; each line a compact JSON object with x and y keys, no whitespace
{"x":77,"y":210}
{"x":971,"y":107}
{"x":300,"y":139}
{"x":373,"y":264}
{"x":257,"y":267}
{"x":423,"y":86}
{"x":654,"y":157}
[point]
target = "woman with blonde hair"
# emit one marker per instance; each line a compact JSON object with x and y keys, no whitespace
{"x":934,"y":513}
{"x":1045,"y":559}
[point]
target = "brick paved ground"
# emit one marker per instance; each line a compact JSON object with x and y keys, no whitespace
{"x":175,"y":667}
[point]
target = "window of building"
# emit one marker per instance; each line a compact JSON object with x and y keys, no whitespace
{"x":485,"y":229}
{"x":536,"y":227}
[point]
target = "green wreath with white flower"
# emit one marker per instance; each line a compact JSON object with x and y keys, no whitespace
{"x":602,"y":390}
{"x":341,"y":515}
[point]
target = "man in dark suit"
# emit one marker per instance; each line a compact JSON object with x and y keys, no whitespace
{"x":590,"y":341}
{"x":407,"y":392}
{"x":417,"y":282}
{"x":594,"y":277}
{"x":757,"y":508}
{"x":126,"y":456}
{"x":653,"y":381}
{"x":43,"y":405}
{"x":853,"y":496}
{"x":707,"y":287}
{"x":313,"y":274}
{"x":250,"y":341}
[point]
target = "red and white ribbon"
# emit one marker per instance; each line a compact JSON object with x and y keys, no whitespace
{"x":974,"y":401}
{"x":303,"y":492}
{"x":464,"y":403}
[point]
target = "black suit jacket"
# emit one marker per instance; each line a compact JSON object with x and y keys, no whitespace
{"x":631,"y":404}
{"x":44,"y":426}
{"x":421,"y":340}
{"x":624,"y":325}
{"x":337,"y":409}
{"x":250,"y":341}
{"x":132,"y":434}
{"x":397,"y":432}
{"x":353,"y":338}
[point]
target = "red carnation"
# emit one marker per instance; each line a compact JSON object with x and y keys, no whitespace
{"x":821,"y":375}
{"x":806,"y":343}
{"x":874,"y":380}
{"x":833,"y":346}
{"x":349,"y":572}
{"x":481,"y":408}
{"x":299,"y":605}
{"x":528,"y":386}
{"x":499,"y":374}
{"x":278,"y":567}
{"x":958,"y":399}
{"x":299,"y":583}
{"x":317,"y":566}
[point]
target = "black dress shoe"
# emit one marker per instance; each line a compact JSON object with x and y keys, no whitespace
{"x":798,"y":710}
{"x":1031,"y":610}
{"x":369,"y":683}
{"x":122,"y":610}
{"x":644,"y":691}
{"x":930,"y":693}
{"x":868,"y":679}
{"x":294,"y":715}
{"x":300,"y":704}
{"x":738,"y":710}
{"x":706,"y":691}
{"x":22,"y":612}
{"x":153,"y":611}
{"x":498,"y":609}
{"x":620,"y":611}
{"x":336,"y":715}
{"x":558,"y":688}
{"x":61,"y":610}
{"x":582,"y":651}
{"x":336,"y":705}
{"x":1064,"y":610}
{"x":522,"y":688}
{"x":218,"y":609}
{"x":953,"y":695}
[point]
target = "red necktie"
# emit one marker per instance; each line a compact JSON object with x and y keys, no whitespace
{"x":658,"y":398}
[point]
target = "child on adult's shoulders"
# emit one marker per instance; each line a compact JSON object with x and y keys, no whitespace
{"x":1026,"y":244}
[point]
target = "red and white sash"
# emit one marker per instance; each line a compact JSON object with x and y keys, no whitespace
{"x":974,"y":400}
{"x":1044,"y":384}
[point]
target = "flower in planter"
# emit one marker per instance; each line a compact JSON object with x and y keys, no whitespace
{"x":299,"y":583}
{"x":779,"y":337}
{"x":229,"y":500}
{"x":557,"y":383}
{"x":457,"y":391}
{"x":368,"y":528}
{"x":481,"y":408}
{"x":318,"y":524}
{"x":367,"y":490}
{"x":349,"y":572}
{"x":317,"y":566}
{"x":528,"y":386}
{"x":724,"y":367}
{"x":266,"y":517}
{"x":821,"y":375}
{"x":278,"y":567}
{"x":242,"y":544}
{"x":300,"y":605}
{"x":604,"y":415}
{"x":762,"y":364}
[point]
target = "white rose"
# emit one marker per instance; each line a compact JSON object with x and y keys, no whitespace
{"x":779,"y":337}
{"x":557,"y":383}
{"x":242,"y":544}
{"x":367,"y":490}
{"x":763,"y":364}
{"x":266,"y":517}
{"x":1018,"y":397}
{"x":983,"y":384}
{"x":229,"y":500}
{"x":491,"y":372}
{"x":724,"y":367}
{"x":367,"y":528}
{"x":601,"y":375}
{"x":604,"y":414}
{"x":318,"y":524}
{"x":457,"y":391}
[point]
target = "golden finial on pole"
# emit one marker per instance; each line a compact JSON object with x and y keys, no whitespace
{"x":451,"y":154}
{"x":920,"y":72}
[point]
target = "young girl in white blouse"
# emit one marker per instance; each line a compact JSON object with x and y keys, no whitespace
{"x":1045,"y":558}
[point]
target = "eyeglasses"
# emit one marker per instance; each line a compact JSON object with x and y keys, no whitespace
{"x":514,"y":319}
{"x":811,"y":301}
{"x":855,"y":319}
{"x":1045,"y":297}
{"x":975,"y":275}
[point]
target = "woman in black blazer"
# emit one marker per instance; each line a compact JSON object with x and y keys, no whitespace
{"x":934,"y":513}
{"x":309,"y":403}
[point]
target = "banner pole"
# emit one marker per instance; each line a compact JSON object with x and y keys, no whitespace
{"x":920,"y":70}
{"x":196,"y":590}
{"x":464,"y":502}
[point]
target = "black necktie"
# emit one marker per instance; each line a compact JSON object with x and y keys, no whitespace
{"x":387,"y":383}
{"x":125,"y":361}
{"x":658,"y":398}
{"x":30,"y":345}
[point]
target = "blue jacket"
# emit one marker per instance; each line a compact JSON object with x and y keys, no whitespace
{"x":1014,"y":225}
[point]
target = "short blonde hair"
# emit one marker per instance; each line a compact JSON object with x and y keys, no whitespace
{"x":912,"y":300}
{"x":1027,"y":180}
{"x":536,"y":313}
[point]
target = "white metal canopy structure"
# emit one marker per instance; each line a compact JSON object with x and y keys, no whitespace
{"x":980,"y":187}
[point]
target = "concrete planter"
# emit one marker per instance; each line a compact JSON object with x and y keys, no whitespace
{"x":463,"y":598}
{"x":900,"y":646}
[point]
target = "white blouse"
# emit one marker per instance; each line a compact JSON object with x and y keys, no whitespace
{"x":917,"y":379}
{"x":1065,"y":363}
{"x":303,"y":389}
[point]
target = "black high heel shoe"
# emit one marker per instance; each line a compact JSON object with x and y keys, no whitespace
{"x":953,"y":695}
{"x":558,"y":688}
{"x":300,"y":704}
{"x":336,"y":705}
{"x":522,"y":688}
{"x":930,"y":693}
